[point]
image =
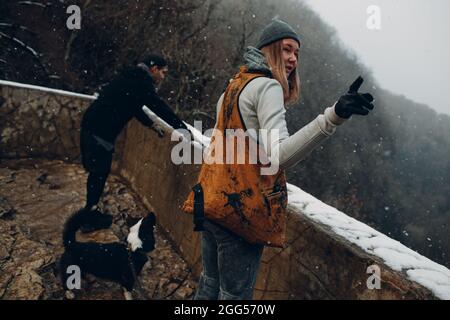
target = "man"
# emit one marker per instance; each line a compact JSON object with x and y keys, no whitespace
{"x":120,"y":101}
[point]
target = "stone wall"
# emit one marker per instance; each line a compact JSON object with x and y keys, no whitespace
{"x":317,"y":263}
{"x":35,"y":123}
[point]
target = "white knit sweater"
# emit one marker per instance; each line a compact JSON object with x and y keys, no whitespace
{"x":261,"y":105}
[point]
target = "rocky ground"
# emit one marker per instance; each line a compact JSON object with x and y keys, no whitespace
{"x":36,"y":197}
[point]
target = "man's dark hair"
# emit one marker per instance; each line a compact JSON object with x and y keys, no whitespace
{"x":155,"y":60}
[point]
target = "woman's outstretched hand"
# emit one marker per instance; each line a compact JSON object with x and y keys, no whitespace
{"x":353,"y":102}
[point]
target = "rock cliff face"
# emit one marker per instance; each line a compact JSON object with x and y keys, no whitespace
{"x":36,"y":197}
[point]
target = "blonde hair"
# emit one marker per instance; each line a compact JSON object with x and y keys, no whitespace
{"x":291,"y":85}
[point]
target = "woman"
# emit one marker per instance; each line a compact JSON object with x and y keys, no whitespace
{"x":230,"y":262}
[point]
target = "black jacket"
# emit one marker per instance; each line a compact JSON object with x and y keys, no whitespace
{"x":123,"y":99}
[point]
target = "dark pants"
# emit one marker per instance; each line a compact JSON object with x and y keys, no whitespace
{"x":97,"y":161}
{"x":230,"y":265}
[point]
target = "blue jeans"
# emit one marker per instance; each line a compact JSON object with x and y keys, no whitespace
{"x":230,"y":265}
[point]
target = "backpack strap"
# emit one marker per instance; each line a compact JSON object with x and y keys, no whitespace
{"x":199,"y":207}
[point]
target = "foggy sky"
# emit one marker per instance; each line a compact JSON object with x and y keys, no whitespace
{"x":409,"y":55}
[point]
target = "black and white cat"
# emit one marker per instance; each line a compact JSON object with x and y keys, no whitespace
{"x":117,"y":262}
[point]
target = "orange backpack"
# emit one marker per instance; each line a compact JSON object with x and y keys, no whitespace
{"x":237,"y":196}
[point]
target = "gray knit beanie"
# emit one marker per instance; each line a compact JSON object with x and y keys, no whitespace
{"x":277,"y":30}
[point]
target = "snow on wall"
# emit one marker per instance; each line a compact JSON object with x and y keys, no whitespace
{"x":397,"y":256}
{"x":418,"y":268}
{"x":45,"y":89}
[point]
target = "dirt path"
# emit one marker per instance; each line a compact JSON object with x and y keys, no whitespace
{"x":36,"y":197}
